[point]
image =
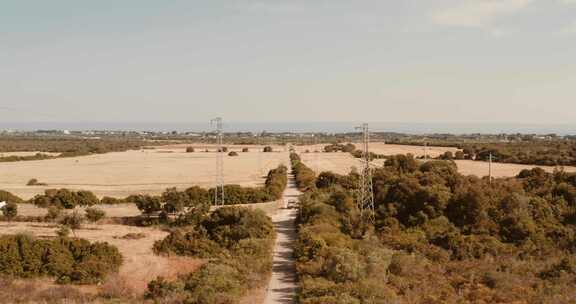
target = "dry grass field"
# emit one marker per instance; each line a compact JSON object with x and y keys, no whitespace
{"x":479,"y":168}
{"x":148,"y":171}
{"x":342,"y":162}
{"x":140,"y":264}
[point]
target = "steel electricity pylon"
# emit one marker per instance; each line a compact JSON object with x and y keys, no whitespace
{"x":365,"y":189}
{"x":219,"y":188}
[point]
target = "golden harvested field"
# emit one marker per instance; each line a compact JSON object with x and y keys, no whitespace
{"x":140,"y":265}
{"x":148,"y":171}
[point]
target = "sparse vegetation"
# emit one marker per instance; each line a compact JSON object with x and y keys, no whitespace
{"x":233,"y":153}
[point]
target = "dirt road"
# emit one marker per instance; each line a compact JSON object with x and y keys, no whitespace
{"x":283,"y":284}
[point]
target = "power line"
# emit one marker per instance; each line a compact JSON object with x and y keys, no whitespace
{"x":365,"y":189}
{"x":219,"y":189}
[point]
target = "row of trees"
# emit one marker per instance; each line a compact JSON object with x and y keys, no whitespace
{"x":304,"y":176}
{"x":67,"y":147}
{"x":557,"y":153}
{"x":347,"y":148}
{"x":185,"y":206}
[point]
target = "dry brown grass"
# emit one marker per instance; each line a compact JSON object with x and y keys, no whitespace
{"x":149,"y":171}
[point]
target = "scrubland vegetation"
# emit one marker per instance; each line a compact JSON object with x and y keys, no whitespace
{"x":67,"y":260}
{"x":238,"y":241}
{"x":557,"y":153}
{"x":65,"y":146}
{"x":439,"y":237}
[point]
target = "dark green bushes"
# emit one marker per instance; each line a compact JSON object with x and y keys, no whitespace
{"x":239,"y":243}
{"x":348,"y":148}
{"x":64,"y":198}
{"x":334,"y":266}
{"x":559,"y":153}
{"x":10,"y":211}
{"x":68,"y":260}
{"x":448,"y":238}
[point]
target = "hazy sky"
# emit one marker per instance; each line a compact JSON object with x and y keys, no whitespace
{"x":297,"y":60}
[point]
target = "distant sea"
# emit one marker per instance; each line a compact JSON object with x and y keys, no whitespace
{"x":300,"y":127}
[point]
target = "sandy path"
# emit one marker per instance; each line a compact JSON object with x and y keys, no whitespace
{"x":283,"y":283}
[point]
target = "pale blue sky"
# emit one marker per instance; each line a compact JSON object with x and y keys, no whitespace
{"x":299,"y":60}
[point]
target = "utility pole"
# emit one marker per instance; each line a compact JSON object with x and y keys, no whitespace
{"x":259,"y":141}
{"x":365,"y":189}
{"x":219,"y":188}
{"x":490,"y":167}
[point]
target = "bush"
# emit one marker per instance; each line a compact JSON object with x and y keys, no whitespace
{"x":245,"y":150}
{"x":54,"y":213}
{"x":238,"y":241}
{"x":68,"y":260}
{"x":190,"y":150}
{"x":73,"y":220}
{"x":65,"y":199}
{"x":94,"y":215}
{"x":268,"y":149}
{"x":63,"y":231}
{"x":10,"y":210}
{"x":233,"y":153}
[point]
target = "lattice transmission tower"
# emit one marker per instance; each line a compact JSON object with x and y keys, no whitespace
{"x":365,"y":189}
{"x":219,"y":188}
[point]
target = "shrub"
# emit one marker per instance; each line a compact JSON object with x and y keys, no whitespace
{"x":190,"y":150}
{"x":10,"y":210}
{"x":54,"y":212}
{"x":111,"y":201}
{"x":233,"y":153}
{"x":245,"y":150}
{"x":268,"y":149}
{"x":94,"y":214}
{"x":65,"y":198}
{"x":239,"y":241}
{"x":73,"y":221}
{"x":63,"y":231}
{"x":68,"y":260}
